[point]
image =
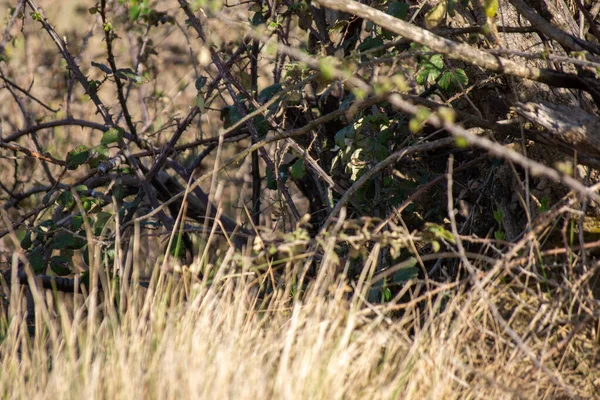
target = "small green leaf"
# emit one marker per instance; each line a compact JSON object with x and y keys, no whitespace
{"x":60,"y":265}
{"x":112,"y":135}
{"x":200,"y":102}
{"x":103,"y":67}
{"x":453,"y":80}
{"x":101,"y":219}
{"x":36,"y":259}
{"x":63,"y":240}
{"x":177,"y":249}
{"x":271,"y":182}
{"x":66,"y":199}
{"x":262,"y":126}
{"x":100,"y":153}
{"x":76,"y":222}
{"x":441,"y":233}
{"x":370,"y":43}
{"x":283,"y":176}
{"x":397,"y":9}
{"x":134,"y":12}
{"x":498,"y":216}
{"x":36,"y":15}
{"x":229,"y":116}
{"x":430,"y":69}
{"x":386,"y":294}
{"x":77,"y":157}
{"x":407,"y":272}
{"x":258,"y":19}
{"x":268,"y":93}
{"x":26,"y":242}
{"x":298,"y":169}
{"x":129,"y":74}
{"x":200,"y":82}
{"x":544,"y":204}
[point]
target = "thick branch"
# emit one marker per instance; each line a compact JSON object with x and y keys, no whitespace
{"x":462,"y":52}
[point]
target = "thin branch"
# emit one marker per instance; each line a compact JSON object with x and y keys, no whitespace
{"x":27,"y":93}
{"x":32,"y":153}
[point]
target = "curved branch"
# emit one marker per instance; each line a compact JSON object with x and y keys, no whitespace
{"x":463,"y":52}
{"x":53,"y":124}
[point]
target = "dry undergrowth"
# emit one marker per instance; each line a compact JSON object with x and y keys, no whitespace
{"x":186,"y":339}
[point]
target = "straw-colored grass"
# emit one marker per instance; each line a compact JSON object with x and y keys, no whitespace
{"x":186,"y":339}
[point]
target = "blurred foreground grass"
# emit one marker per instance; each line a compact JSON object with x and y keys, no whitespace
{"x":228,"y":339}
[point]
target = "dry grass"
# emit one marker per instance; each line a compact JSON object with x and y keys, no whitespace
{"x":226,"y":340}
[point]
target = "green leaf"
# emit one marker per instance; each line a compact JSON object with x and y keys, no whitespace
{"x":60,"y":265}
{"x":129,"y":74}
{"x":441,"y":232}
{"x":437,"y":60}
{"x":102,"y":67}
{"x":36,"y":15}
{"x":101,"y":219}
{"x":386,"y":294}
{"x":271,"y":182}
{"x":298,"y":169}
{"x":63,"y":240}
{"x":76,"y":222}
{"x":200,"y":82}
{"x":99,"y":154}
{"x":66,"y":199}
{"x":177,"y":249}
{"x":453,"y":80}
{"x":200,"y":102}
{"x":342,"y":134}
{"x":397,"y":9}
{"x":112,"y":135}
{"x":407,"y":272}
{"x":430,"y":69}
{"x":134,"y":12}
{"x":284,"y":174}
{"x":258,"y":19}
{"x":77,"y":157}
{"x":262,"y":126}
{"x":269,"y":92}
{"x":230,"y":116}
{"x":498,"y":216}
{"x":66,"y":240}
{"x":36,"y":259}
{"x":26,"y":242}
{"x":370,"y":43}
